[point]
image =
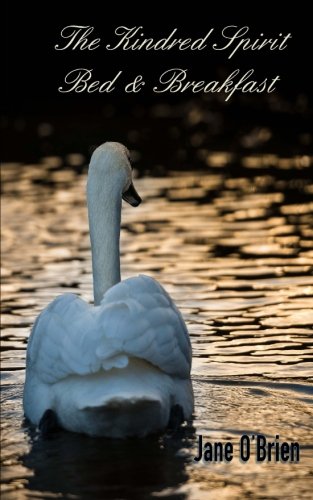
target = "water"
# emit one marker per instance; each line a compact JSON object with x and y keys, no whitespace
{"x":234,"y":249}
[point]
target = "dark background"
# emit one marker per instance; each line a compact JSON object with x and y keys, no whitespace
{"x":166,"y":130}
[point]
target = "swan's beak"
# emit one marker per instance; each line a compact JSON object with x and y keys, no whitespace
{"x":131,"y":196}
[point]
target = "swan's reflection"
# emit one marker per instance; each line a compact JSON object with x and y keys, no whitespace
{"x":73,"y":464}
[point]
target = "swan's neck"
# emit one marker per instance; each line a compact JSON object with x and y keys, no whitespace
{"x":104,"y":211}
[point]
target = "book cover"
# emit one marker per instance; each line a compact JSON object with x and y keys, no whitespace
{"x":212,"y":108}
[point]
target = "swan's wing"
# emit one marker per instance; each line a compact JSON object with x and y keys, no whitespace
{"x":61,"y":342}
{"x":137,"y":318}
{"x":152,"y":327}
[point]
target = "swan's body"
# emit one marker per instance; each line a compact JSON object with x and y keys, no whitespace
{"x":118,"y":368}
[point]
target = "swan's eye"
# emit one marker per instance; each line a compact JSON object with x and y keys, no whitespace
{"x":130,"y":160}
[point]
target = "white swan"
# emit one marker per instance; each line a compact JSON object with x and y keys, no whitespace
{"x":118,"y":368}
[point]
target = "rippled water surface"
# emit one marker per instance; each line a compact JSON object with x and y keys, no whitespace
{"x":235,"y":250}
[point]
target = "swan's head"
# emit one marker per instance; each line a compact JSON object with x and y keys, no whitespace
{"x":110,"y":166}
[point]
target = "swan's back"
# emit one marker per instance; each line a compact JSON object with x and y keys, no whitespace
{"x":128,"y":356}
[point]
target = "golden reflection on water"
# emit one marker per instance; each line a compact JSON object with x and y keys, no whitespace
{"x":236,"y":254}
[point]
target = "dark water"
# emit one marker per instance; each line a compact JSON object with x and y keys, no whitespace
{"x":235,"y":250}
